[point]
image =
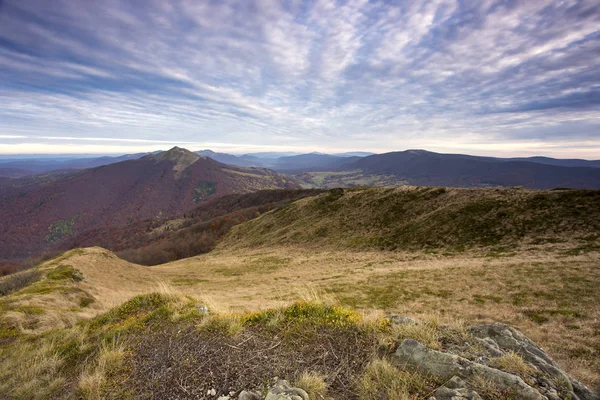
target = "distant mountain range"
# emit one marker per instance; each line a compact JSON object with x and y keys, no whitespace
{"x":288,"y":162}
{"x":37,"y":213}
{"x":420,"y":167}
{"x":30,"y":166}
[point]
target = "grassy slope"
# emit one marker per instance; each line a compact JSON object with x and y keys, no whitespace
{"x":545,"y":287}
{"x":411,"y":218}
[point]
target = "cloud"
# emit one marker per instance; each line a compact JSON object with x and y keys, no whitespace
{"x":314,"y":75}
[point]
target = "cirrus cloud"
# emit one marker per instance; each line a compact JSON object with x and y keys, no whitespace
{"x":326,"y":75}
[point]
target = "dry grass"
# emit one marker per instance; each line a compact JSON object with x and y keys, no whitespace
{"x":382,"y":380}
{"x":426,"y":332}
{"x":513,"y":363}
{"x":93,"y":379}
{"x":313,"y":383}
{"x":551,"y":298}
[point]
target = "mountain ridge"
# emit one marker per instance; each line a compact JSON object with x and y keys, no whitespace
{"x":153,"y":186}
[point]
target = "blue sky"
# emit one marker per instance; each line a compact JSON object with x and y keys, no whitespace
{"x":501,"y":78}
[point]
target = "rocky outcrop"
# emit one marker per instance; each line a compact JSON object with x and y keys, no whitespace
{"x":446,"y":366}
{"x":503,"y":339}
{"x":462,"y":376}
{"x":475,"y":374}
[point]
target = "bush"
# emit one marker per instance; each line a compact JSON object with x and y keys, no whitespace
{"x":18,"y":281}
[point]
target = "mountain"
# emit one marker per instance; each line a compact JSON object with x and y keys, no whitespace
{"x":420,"y":167}
{"x":312,"y":162}
{"x":272,"y":154}
{"x":240,"y":161}
{"x":559,"y":161}
{"x":354,"y":154}
{"x":30,"y":166}
{"x":154,"y":186}
{"x":13,"y":172}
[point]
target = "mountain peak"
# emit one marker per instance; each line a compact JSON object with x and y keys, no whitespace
{"x":182,"y":158}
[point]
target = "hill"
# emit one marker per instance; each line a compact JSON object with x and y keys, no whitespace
{"x":153,"y":241}
{"x":422,"y":168}
{"x":411,"y":218}
{"x":40,"y":215}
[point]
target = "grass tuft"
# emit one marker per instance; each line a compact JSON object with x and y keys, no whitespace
{"x":382,"y":380}
{"x":513,"y":363}
{"x":313,"y":383}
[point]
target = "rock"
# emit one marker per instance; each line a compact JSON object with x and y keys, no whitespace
{"x":246,"y":395}
{"x":445,"y":366}
{"x":509,"y":339}
{"x":490,"y":346}
{"x":456,"y":389}
{"x":283,"y":391}
{"x":202,"y":309}
{"x":399,"y":320}
{"x":582,"y":391}
{"x":552,"y":394}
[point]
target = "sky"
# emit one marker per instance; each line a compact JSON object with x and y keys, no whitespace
{"x":503,"y":78}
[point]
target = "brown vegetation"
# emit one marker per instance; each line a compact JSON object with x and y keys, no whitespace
{"x":40,"y":216}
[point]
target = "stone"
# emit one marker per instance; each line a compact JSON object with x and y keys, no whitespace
{"x":283,"y":391}
{"x":202,"y":309}
{"x":582,"y":391}
{"x":445,"y":366}
{"x":490,"y":346}
{"x":456,"y":389}
{"x":400,"y":320}
{"x":246,"y":395}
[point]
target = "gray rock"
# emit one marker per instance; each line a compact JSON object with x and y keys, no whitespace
{"x":400,"y":320}
{"x":283,"y":391}
{"x":456,"y":389}
{"x":246,"y":395}
{"x":509,"y":339}
{"x":582,"y":391}
{"x":445,"y":366}
{"x":202,"y":309}
{"x":490,"y":346}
